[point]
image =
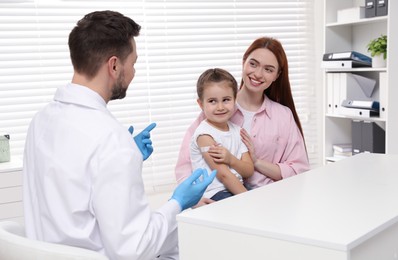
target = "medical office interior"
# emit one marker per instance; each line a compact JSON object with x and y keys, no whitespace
{"x":346,"y":104}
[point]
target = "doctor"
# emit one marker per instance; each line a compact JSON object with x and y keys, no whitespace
{"x":82,"y":170}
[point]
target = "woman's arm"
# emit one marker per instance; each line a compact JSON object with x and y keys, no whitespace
{"x":268,"y":169}
{"x":183,"y":167}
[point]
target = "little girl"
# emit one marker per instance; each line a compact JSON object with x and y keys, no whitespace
{"x":216,"y":143}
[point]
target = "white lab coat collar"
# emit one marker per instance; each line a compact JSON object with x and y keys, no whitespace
{"x":80,"y":95}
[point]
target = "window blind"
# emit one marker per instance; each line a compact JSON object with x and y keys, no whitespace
{"x":178,"y":41}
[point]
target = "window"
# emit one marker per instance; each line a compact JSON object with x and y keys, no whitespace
{"x":178,"y":41}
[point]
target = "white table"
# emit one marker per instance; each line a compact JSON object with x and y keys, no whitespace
{"x":344,"y":210}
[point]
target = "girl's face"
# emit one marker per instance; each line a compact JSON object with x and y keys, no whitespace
{"x":259,"y":70}
{"x":218,"y":103}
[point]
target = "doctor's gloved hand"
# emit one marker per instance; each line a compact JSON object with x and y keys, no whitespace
{"x":143,"y":140}
{"x":189,"y":192}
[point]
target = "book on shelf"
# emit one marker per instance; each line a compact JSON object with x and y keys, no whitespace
{"x":331,"y":159}
{"x":341,"y":151}
{"x":342,"y":148}
{"x":342,"y":154}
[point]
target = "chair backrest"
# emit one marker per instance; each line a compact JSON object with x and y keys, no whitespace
{"x":15,"y":246}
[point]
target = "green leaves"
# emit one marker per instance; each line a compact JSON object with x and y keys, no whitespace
{"x":378,"y":46}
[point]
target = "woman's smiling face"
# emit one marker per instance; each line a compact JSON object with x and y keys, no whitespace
{"x":260,"y":69}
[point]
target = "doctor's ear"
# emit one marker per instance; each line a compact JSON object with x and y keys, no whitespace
{"x":112,"y":64}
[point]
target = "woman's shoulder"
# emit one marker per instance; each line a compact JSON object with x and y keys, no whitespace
{"x":278,"y":108}
{"x":191,"y":129}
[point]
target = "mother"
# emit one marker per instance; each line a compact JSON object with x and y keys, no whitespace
{"x":265,"y":110}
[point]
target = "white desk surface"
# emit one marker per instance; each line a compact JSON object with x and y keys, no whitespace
{"x":337,"y":206}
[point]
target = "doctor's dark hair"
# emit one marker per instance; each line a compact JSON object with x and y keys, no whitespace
{"x":97,"y":37}
{"x":280,"y":90}
{"x":215,"y":75}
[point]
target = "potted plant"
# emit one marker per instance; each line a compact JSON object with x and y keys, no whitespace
{"x":378,"y":50}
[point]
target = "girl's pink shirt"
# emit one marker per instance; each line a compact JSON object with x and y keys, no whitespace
{"x":276,"y":139}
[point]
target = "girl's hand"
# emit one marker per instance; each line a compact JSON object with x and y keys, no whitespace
{"x":203,"y":202}
{"x":220,"y":154}
{"x":248,"y":142}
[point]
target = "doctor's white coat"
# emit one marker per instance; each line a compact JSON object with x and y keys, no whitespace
{"x":83,"y":185}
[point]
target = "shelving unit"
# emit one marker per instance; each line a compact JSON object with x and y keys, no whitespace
{"x":354,"y":36}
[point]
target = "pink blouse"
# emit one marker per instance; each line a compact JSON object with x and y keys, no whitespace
{"x":276,"y":139}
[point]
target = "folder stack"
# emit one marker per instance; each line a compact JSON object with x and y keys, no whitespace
{"x":345,"y":60}
{"x":376,"y":8}
{"x":341,"y":151}
{"x":352,"y":95}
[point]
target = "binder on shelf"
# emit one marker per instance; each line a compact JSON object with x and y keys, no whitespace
{"x":339,"y":92}
{"x":348,"y":55}
{"x":358,"y":112}
{"x":383,"y":94}
{"x":371,"y":105}
{"x":370,"y":8}
{"x":351,"y":95}
{"x":367,"y":137}
{"x":356,"y":136}
{"x":373,"y":138}
{"x":330,"y":89}
{"x":344,"y":64}
{"x":360,"y":89}
{"x":342,"y":87}
{"x":381,"y":7}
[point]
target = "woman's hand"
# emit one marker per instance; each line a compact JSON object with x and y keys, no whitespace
{"x":220,"y":154}
{"x":248,"y":142}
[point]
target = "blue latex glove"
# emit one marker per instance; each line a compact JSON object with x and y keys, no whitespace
{"x":143,"y":140}
{"x":190,"y":191}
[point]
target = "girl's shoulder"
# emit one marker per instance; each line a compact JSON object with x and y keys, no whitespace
{"x":232,"y":124}
{"x":234,"y":129}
